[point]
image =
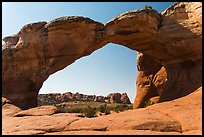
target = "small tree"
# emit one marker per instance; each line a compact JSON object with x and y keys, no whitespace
{"x":148,"y":103}
{"x":148,"y":7}
{"x":101,"y":108}
{"x":120,"y":107}
{"x":89,"y":112}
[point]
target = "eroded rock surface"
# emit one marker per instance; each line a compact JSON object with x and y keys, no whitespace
{"x":173,"y":39}
{"x":38,"y":111}
{"x":42,"y":49}
{"x":181,"y":32}
{"x":178,"y":50}
{"x":176,"y":117}
{"x":118,"y":98}
{"x":55,"y":98}
{"x":125,"y":99}
{"x":150,"y":79}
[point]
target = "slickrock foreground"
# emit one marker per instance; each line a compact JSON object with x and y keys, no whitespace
{"x":175,"y":117}
{"x":169,"y":63}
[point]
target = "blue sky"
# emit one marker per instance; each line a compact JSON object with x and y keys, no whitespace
{"x":109,"y":69}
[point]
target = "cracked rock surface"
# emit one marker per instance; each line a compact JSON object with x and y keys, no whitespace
{"x":174,"y":117}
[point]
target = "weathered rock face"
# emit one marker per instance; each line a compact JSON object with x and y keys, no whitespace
{"x":38,"y":111}
{"x":10,"y":40}
{"x":150,"y":79}
{"x":119,"y":98}
{"x":125,"y":99}
{"x":178,"y":117}
{"x":184,"y":44}
{"x":171,"y":39}
{"x":42,"y":49}
{"x":55,"y":98}
{"x":179,"y":35}
{"x":99,"y":99}
{"x":114,"y":97}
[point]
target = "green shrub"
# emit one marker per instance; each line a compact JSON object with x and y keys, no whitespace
{"x":75,"y":110}
{"x":122,"y":107}
{"x":42,"y":103}
{"x":130,"y":107}
{"x":148,"y":7}
{"x":101,"y":108}
{"x":65,"y":109}
{"x":118,"y":108}
{"x":110,"y":108}
{"x":148,"y":103}
{"x":89,"y":112}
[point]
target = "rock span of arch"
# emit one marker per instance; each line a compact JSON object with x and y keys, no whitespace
{"x":169,"y":48}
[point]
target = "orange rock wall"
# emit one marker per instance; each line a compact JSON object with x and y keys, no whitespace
{"x":170,"y":41}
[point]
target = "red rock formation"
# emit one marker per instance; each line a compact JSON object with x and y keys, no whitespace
{"x":184,"y":44}
{"x":38,"y":111}
{"x":114,"y":97}
{"x":181,"y":116}
{"x":172,"y":39}
{"x":54,"y":98}
{"x":125,"y":99}
{"x":150,"y":79}
{"x":99,"y":99}
{"x":42,"y":49}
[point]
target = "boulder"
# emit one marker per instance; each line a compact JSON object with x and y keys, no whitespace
{"x":115,"y":97}
{"x":125,"y":99}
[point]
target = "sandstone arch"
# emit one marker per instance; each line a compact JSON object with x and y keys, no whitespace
{"x":170,"y":42}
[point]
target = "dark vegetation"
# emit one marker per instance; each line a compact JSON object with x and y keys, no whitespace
{"x":148,"y":103}
{"x":147,"y":7}
{"x":89,"y":109}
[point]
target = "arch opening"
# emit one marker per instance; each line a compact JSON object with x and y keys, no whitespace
{"x":109,"y":69}
{"x":43,"y":48}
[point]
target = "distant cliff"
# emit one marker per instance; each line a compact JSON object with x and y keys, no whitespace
{"x":53,"y":98}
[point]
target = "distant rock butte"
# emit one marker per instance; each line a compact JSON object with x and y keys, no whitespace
{"x":53,"y":98}
{"x":169,"y":46}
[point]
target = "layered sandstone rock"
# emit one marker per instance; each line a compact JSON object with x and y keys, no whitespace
{"x":150,"y":79}
{"x":118,"y":98}
{"x":176,"y":117}
{"x":99,"y":99}
{"x":171,"y":39}
{"x":180,"y":54}
{"x":125,"y":99}
{"x":184,"y":72}
{"x":42,"y":49}
{"x":55,"y":98}
{"x":114,"y":97}
{"x":38,"y":111}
